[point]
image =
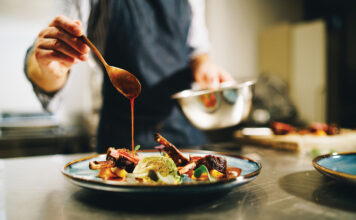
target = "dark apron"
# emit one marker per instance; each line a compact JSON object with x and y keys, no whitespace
{"x":149,"y":39}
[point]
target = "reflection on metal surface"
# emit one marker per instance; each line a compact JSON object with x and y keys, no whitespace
{"x":230,"y":95}
{"x":244,"y":203}
{"x":209,"y":102}
{"x":52,"y":202}
{"x":312,"y":186}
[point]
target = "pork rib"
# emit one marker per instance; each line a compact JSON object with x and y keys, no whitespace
{"x":121,"y":158}
{"x":213,"y":162}
{"x":96,"y":165}
{"x":178,"y":158}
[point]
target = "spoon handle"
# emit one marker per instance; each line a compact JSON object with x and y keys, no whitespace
{"x":95,"y":50}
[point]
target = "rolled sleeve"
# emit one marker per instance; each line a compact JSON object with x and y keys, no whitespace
{"x":198,"y":36}
{"x":74,"y":9}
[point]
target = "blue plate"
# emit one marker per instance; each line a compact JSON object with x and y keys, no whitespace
{"x":340,"y":166}
{"x":78,"y":172}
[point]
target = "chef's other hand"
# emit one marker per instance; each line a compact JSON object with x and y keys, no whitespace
{"x":207,"y":74}
{"x":56,"y":49}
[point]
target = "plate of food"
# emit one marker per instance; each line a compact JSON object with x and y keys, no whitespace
{"x":162,"y":171}
{"x":340,"y":166}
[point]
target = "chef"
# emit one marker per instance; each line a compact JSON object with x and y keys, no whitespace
{"x":164,"y":43}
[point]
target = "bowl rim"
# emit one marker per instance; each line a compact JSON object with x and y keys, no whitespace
{"x":223,"y":86}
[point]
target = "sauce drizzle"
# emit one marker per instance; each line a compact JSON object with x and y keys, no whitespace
{"x":132,"y":100}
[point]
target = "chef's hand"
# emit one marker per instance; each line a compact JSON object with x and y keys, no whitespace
{"x":207,"y":74}
{"x":56,"y":49}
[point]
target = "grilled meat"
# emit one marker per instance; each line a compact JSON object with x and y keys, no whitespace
{"x":120,"y":158}
{"x":96,"y":165}
{"x":124,"y":159}
{"x":316,"y":128}
{"x":213,"y":163}
{"x":178,"y":158}
{"x":210,"y":161}
{"x":187,"y":168}
{"x":281,"y":128}
{"x":328,"y":129}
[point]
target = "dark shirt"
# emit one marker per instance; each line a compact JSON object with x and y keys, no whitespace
{"x":149,"y":39}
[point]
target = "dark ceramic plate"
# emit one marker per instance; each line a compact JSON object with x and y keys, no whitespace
{"x":78,"y":172}
{"x":340,"y":166}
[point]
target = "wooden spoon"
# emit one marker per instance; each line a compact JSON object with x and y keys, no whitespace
{"x":125,"y":82}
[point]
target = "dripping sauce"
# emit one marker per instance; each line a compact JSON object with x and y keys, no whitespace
{"x":115,"y":79}
{"x":132,"y":100}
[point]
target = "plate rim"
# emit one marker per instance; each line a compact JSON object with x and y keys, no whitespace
{"x":247,"y":177}
{"x":325,"y":170}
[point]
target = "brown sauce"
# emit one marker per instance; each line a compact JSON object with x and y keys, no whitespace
{"x":132,"y":100}
{"x":233,"y":172}
{"x":115,"y":179}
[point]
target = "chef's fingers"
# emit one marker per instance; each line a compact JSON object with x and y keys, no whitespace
{"x":45,"y":57}
{"x":67,"y":24}
{"x":60,"y":46}
{"x":209,"y":80}
{"x":224,"y":76}
{"x":58,"y":33}
{"x":78,"y":22}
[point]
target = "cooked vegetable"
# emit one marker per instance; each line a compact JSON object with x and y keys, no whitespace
{"x":216,"y":174}
{"x":106,"y":173}
{"x":201,"y":170}
{"x":137,"y":147}
{"x":157,"y":169}
{"x":119,"y":172}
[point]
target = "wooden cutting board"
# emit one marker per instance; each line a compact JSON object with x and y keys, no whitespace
{"x":343,"y":142}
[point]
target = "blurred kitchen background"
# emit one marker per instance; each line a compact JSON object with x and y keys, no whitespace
{"x":302,"y":52}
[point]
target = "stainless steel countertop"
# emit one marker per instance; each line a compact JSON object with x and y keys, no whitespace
{"x":287,"y":188}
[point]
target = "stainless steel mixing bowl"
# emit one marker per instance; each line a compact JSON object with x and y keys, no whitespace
{"x":213,"y":109}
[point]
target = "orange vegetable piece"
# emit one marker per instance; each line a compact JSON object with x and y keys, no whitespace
{"x":216,"y":174}
{"x":106,"y":173}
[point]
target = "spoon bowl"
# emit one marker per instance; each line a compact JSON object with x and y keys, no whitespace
{"x":125,"y":82}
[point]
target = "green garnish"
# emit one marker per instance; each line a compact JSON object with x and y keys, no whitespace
{"x":202,"y":169}
{"x":137,"y":147}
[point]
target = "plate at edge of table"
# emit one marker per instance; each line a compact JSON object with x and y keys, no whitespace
{"x":340,"y":166}
{"x":78,"y":173}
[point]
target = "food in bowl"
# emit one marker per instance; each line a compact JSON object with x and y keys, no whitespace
{"x":316,"y":128}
